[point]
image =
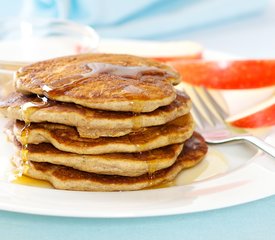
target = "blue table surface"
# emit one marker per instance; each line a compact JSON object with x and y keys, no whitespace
{"x":254,"y":220}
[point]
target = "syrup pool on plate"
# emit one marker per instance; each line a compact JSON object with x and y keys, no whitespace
{"x":28,"y":181}
{"x":213,"y":164}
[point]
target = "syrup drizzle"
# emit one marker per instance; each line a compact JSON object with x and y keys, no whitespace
{"x":28,"y":181}
{"x":152,"y":168}
{"x":27,"y":110}
{"x":59,"y":86}
{"x":132,"y":72}
{"x":24,"y":151}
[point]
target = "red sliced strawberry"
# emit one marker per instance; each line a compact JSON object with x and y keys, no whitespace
{"x":239,"y":74}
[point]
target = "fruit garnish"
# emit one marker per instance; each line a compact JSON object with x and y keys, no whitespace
{"x":226,"y":74}
{"x":261,"y":115}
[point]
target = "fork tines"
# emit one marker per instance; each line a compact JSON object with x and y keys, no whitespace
{"x":209,"y":107}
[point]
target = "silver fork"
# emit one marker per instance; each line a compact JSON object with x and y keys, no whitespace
{"x":209,"y":116}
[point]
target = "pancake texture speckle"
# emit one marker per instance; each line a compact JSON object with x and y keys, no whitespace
{"x":124,"y":164}
{"x":68,"y":178}
{"x":90,"y":122}
{"x":102,"y":81}
{"x":67,"y":139}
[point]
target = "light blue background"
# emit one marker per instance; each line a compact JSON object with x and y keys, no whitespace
{"x":252,"y":221}
{"x":143,"y":19}
{"x":249,"y":33}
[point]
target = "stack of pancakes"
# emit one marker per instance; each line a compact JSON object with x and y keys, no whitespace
{"x":102,"y":122}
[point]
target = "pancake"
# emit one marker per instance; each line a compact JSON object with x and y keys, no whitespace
{"x":62,"y":177}
{"x":89,"y":122}
{"x":111,"y":82}
{"x":124,"y":164}
{"x":103,"y":132}
{"x":67,"y":139}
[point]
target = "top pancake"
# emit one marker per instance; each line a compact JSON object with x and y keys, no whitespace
{"x":102,"y":81}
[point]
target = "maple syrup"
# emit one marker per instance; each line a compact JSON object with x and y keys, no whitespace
{"x":162,"y":185}
{"x":212,"y":165}
{"x":27,"y":110}
{"x":24,"y":141}
{"x":28,"y":181}
{"x":152,"y":166}
{"x":60,"y":86}
{"x":133,"y":72}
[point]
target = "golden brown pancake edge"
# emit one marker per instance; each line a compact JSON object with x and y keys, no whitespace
{"x":70,"y":179}
{"x":63,"y":79}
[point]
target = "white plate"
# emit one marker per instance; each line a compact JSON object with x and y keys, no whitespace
{"x":230,"y":175}
{"x":238,"y":178}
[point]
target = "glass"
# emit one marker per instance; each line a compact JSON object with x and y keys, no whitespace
{"x":45,"y":38}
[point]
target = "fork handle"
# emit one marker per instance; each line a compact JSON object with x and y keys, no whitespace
{"x":260,"y":144}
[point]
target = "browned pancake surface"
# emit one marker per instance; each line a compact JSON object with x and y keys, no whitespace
{"x":102,"y":81}
{"x":90,"y":122}
{"x":67,"y":138}
{"x":68,"y":178}
{"x":124,"y":164}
